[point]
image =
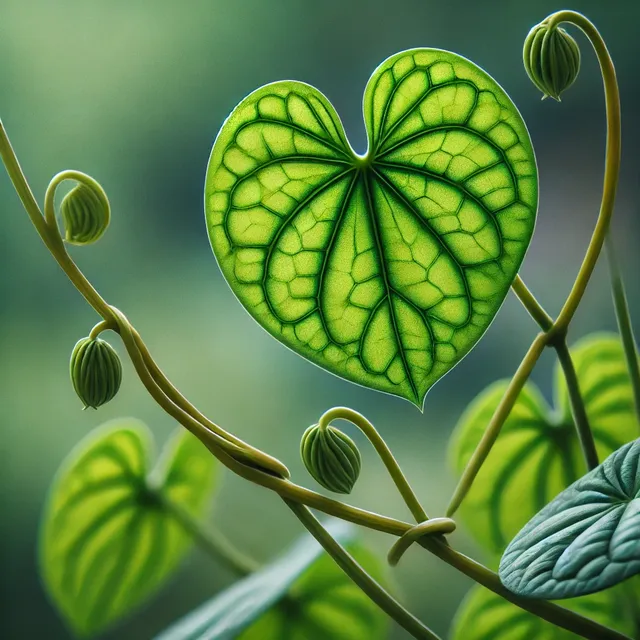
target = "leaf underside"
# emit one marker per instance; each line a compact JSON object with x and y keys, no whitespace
{"x":301,"y":595}
{"x":483,"y":615}
{"x":537,"y":454}
{"x":105,"y":545}
{"x":384,"y":269}
{"x":586,"y":539}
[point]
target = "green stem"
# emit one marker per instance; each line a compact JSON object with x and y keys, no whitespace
{"x":531,"y":304}
{"x":359,"y":576}
{"x":210,"y":540}
{"x":624,"y":321}
{"x":497,"y":421}
{"x":612,"y":161}
{"x":578,"y":411}
{"x":381,"y":447}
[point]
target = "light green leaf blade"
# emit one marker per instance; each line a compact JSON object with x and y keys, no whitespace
{"x":485,"y":616}
{"x":302,"y":595}
{"x":586,"y":539}
{"x":384,"y":269}
{"x":537,"y":454}
{"x":105,"y":543}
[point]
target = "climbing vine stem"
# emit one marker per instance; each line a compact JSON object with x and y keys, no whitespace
{"x":381,"y":447}
{"x":555,"y":335}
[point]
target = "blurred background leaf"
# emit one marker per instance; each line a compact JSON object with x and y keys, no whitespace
{"x":537,"y":454}
{"x":107,"y":543}
{"x":302,"y":594}
{"x":485,"y":616}
{"x":134,"y":94}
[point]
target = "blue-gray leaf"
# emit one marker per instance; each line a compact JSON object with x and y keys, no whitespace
{"x":586,"y":539}
{"x":305,"y":581}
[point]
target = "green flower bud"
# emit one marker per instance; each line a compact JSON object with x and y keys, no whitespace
{"x":96,"y":371}
{"x":331,"y":457}
{"x":551,"y":59}
{"x":85,"y":215}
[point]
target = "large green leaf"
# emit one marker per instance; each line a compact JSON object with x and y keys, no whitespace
{"x":301,"y":596}
{"x":485,"y":616}
{"x":537,"y":454}
{"x":586,"y":539}
{"x":106,"y":544}
{"x":387,"y":268}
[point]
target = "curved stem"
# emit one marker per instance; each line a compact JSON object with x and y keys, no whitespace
{"x":77,"y":176}
{"x":624,"y":321}
{"x":381,"y":447}
{"x":497,"y":421}
{"x":359,"y":576}
{"x":531,"y":304}
{"x":612,"y":161}
{"x":428,"y":528}
{"x":578,"y":411}
{"x":209,"y":539}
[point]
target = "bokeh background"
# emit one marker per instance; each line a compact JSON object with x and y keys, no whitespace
{"x":133,"y":93}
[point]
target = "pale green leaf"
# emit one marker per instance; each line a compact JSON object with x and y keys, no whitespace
{"x":485,"y":616}
{"x":537,"y":454}
{"x":384,"y":269}
{"x":586,"y":539}
{"x":105,"y":543}
{"x":303,"y":595}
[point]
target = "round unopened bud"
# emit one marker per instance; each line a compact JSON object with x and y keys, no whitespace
{"x":331,"y":457}
{"x":85,"y":215}
{"x":551,"y":59}
{"x":96,"y":371}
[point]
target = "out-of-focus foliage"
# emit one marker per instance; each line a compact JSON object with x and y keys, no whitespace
{"x":537,"y":454}
{"x":107,"y":543}
{"x":303,"y":594}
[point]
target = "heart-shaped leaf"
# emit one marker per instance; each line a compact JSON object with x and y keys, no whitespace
{"x":304,"y":594}
{"x":537,"y":454}
{"x":106,"y":544}
{"x":384,"y":269}
{"x":485,"y":616}
{"x":586,"y":539}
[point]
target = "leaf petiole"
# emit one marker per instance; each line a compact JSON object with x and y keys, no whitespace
{"x":209,"y":539}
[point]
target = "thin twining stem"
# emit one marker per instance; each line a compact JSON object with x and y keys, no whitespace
{"x":359,"y":576}
{"x":624,"y":321}
{"x":383,"y":450}
{"x":531,"y":304}
{"x":578,"y":411}
{"x":612,"y":161}
{"x":498,"y":419}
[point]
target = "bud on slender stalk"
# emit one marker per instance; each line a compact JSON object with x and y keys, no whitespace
{"x":85,"y":216}
{"x":96,"y":371}
{"x":551,"y":59}
{"x":331,"y":457}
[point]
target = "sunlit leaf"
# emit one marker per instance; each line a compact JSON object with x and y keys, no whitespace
{"x":106,"y":544}
{"x":586,"y":539}
{"x":537,"y":454}
{"x":302,"y":596}
{"x":384,"y":269}
{"x":485,"y":616}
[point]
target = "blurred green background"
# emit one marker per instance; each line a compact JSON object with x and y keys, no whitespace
{"x":133,"y":93}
